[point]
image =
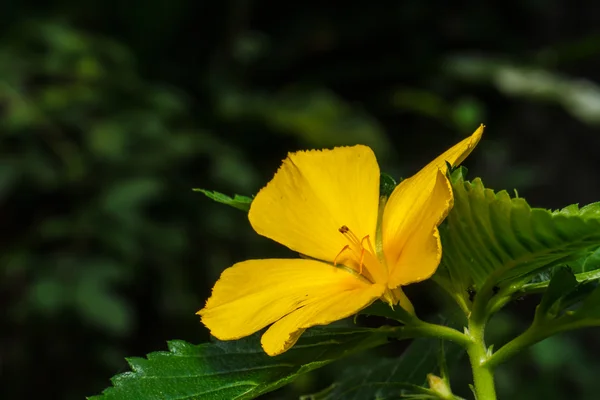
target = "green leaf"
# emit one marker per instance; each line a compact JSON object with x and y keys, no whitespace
{"x":590,"y":309}
{"x":589,"y":262}
{"x":389,"y":378}
{"x":234,"y":369}
{"x":562,"y":284}
{"x":580,"y":292}
{"x":239,"y":202}
{"x":387,"y":184}
{"x":586,"y":268}
{"x":491,"y":235}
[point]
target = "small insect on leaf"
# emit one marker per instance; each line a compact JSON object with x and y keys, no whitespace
{"x":472,"y":292}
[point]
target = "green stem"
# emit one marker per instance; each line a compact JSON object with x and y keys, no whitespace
{"x":483,"y":375}
{"x":418,"y":328}
{"x":515,"y":346}
{"x":479,"y":311}
{"x":536,"y":333}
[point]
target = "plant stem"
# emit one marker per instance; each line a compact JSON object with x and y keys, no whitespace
{"x":536,"y":333}
{"x":483,"y":375}
{"x":510,"y":349}
{"x":419,"y":328}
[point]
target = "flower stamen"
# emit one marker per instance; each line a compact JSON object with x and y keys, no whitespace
{"x":362,"y":259}
{"x":367,"y":238}
{"x":357,"y":245}
{"x":344,"y":230}
{"x":362,"y":253}
{"x":346,"y":247}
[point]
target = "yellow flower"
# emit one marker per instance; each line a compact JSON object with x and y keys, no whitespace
{"x":356,"y":247}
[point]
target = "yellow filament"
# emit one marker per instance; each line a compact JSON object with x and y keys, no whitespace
{"x":358,"y":244}
{"x":346,"y":247}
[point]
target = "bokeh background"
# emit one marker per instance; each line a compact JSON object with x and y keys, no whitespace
{"x":111,"y":112}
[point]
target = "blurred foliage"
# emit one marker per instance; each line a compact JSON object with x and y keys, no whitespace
{"x":96,"y":165}
{"x":110,"y":113}
{"x":580,"y":97}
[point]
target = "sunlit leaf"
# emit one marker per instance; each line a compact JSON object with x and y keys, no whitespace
{"x":237,"y":201}
{"x":496,"y":236}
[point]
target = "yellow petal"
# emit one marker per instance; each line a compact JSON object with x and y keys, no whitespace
{"x":414,"y":210}
{"x":455,"y":155}
{"x":413,"y":251}
{"x":313,"y":194}
{"x":284,"y":333}
{"x":253,"y":294}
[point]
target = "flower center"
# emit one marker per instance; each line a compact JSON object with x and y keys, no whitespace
{"x":359,"y":253}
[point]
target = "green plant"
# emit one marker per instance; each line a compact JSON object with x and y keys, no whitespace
{"x":496,"y":248}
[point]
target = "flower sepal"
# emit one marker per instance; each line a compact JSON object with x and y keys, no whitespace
{"x":396,"y":310}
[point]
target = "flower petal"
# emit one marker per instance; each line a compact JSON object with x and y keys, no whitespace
{"x":313,"y":194}
{"x":253,"y":294}
{"x":284,"y":333}
{"x":413,"y":251}
{"x":454,"y":155}
{"x":414,"y":210}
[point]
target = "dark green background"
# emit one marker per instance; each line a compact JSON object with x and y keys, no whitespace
{"x":110,"y":112}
